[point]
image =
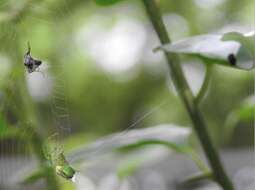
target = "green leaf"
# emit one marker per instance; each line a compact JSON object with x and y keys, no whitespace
{"x":172,"y":146}
{"x":247,"y":41}
{"x":35,"y":176}
{"x":198,"y":177}
{"x":128,"y":168}
{"x":246,"y":113}
{"x":180,"y":148}
{"x":106,"y":2}
{"x":172,"y":136}
{"x":243,"y":113}
{"x":231,"y":49}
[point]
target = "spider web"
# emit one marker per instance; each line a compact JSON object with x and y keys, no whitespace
{"x":59,"y":99}
{"x":10,"y":163}
{"x":58,"y":103}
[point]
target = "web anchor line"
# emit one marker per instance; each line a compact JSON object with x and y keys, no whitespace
{"x":102,"y":146}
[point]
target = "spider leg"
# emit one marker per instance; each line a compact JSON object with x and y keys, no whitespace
{"x":28,"y":48}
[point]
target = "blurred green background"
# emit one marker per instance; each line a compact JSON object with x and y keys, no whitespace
{"x":99,"y":61}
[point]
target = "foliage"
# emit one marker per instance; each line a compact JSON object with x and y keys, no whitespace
{"x":77,"y":41}
{"x":243,"y":113}
{"x":231,"y":49}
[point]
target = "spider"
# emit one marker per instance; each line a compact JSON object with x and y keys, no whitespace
{"x":31,"y":64}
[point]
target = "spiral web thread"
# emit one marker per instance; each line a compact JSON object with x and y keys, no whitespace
{"x":59,"y":103}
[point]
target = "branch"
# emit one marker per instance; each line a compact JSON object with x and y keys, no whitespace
{"x":187,"y":97}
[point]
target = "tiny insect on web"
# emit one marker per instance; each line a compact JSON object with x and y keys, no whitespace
{"x":31,"y":64}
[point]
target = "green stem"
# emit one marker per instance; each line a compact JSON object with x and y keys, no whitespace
{"x":187,"y":97}
{"x":203,"y":90}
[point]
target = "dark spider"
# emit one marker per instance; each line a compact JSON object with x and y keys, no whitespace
{"x":30,"y":63}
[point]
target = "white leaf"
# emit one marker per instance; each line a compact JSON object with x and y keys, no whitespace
{"x":233,"y":52}
{"x":111,"y":182}
{"x":164,"y":132}
{"x":209,"y":45}
{"x":82,"y":182}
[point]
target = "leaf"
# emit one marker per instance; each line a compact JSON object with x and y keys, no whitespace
{"x":171,"y":136}
{"x":180,"y":148}
{"x":106,"y":2}
{"x":246,"y":111}
{"x":198,"y":177}
{"x":243,"y":113}
{"x":247,"y":41}
{"x":165,"y":133}
{"x":128,"y":168}
{"x":232,"y":49}
{"x":173,"y":146}
{"x":83,"y":182}
{"x":35,"y":176}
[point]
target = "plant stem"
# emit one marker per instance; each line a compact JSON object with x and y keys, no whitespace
{"x":202,"y":92}
{"x":187,"y":97}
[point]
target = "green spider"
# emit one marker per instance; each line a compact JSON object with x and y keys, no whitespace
{"x":54,"y":153}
